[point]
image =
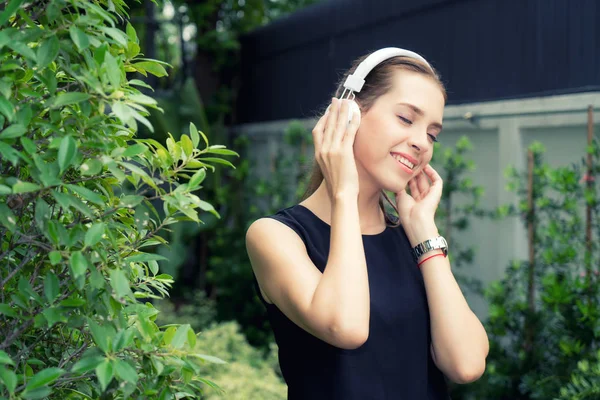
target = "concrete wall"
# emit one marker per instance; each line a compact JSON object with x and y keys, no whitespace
{"x":500,"y":133}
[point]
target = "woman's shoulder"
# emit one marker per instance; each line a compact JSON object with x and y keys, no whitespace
{"x":285,"y":218}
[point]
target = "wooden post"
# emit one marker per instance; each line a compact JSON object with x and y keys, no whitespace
{"x":529,"y":328}
{"x":588,"y":209}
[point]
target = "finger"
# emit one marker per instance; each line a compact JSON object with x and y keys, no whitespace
{"x":422,"y":183}
{"x":317,"y":132}
{"x":436,"y":179}
{"x":350,"y":135}
{"x":330,"y":125}
{"x":414,"y":189}
{"x":342,"y":123}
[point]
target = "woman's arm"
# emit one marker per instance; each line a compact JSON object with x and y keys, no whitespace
{"x":334,"y":305}
{"x":459,"y":341}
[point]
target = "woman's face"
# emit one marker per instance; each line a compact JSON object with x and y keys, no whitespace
{"x":395,"y":139}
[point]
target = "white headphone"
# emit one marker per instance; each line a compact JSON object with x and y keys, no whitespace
{"x":355,"y":81}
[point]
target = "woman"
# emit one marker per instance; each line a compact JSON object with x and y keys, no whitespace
{"x":364,"y":305}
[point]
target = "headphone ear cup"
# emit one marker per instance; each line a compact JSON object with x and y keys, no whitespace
{"x":353,"y":109}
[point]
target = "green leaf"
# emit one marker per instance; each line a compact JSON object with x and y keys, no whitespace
{"x":29,"y":146}
{"x":191,"y":337}
{"x":47,"y":52}
{"x":94,"y":234}
{"x":197,"y":178}
{"x":9,"y":378}
{"x":118,"y":35}
{"x":142,"y":99}
{"x":154,"y":68}
{"x":51,"y":286}
{"x":91,"y":167}
{"x":65,"y":99}
{"x":5,"y":359}
{"x":7,"y":218}
{"x":224,"y":152}
{"x":7,"y":310}
{"x":131,"y":200}
{"x":66,"y":152}
{"x":25,"y":187}
{"x":9,"y":153}
{"x":25,"y":114}
{"x":120,"y":283}
{"x":125,"y":371}
{"x":217,"y":161}
{"x":79,"y":264}
{"x":104,"y":372}
{"x":42,"y":213}
{"x":134,"y":150}
{"x":7,"y":109}
{"x":73,"y":301}
{"x":180,"y":336}
{"x":37,"y":394}
{"x":55,"y":257}
{"x":137,"y":82}
{"x":86,"y":364}
{"x":195,"y":134}
{"x":44,"y":377}
{"x":5,"y":35}
{"x":143,"y":257}
{"x":112,"y":70}
{"x":54,"y":315}
{"x":130,"y":30}
{"x":10,"y":10}
{"x":13,"y":131}
{"x":99,"y":334}
{"x":169,"y":334}
{"x":186,"y":145}
{"x":78,"y":37}
{"x":22,"y":49}
{"x":211,"y":359}
{"x":123,"y":339}
{"x":87,"y":194}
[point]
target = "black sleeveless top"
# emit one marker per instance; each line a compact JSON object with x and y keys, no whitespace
{"x":395,"y":362}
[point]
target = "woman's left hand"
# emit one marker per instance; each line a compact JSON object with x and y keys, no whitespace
{"x":417,"y":209}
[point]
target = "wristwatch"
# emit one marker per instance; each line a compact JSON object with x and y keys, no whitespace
{"x":430,"y":244}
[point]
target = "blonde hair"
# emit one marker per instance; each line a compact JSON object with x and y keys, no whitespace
{"x":377,"y":83}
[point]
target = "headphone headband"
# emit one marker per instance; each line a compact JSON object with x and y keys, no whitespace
{"x":355,"y":82}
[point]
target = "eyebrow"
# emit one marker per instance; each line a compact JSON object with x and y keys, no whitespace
{"x":420,"y":112}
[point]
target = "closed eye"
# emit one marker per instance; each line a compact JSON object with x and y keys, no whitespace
{"x":433,"y":137}
{"x":405,"y":120}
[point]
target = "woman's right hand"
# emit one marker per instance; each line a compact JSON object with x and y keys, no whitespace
{"x":333,"y":138}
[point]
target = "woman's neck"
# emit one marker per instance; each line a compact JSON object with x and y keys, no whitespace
{"x":371,"y":216}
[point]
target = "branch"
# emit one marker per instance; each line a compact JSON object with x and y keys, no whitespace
{"x":73,"y":355}
{"x":9,"y":340}
{"x":14,"y":271}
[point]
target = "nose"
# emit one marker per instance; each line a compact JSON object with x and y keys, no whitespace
{"x":419,"y":140}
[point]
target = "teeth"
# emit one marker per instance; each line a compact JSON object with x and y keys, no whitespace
{"x":404,"y":161}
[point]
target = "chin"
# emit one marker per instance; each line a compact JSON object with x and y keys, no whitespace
{"x":393,"y":184}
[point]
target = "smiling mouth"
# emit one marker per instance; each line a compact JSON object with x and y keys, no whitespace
{"x":404,"y":161}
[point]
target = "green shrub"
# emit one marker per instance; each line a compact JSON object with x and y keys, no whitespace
{"x":585,"y":381}
{"x":247,"y":374}
{"x":81,"y":201}
{"x":544,"y":314}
